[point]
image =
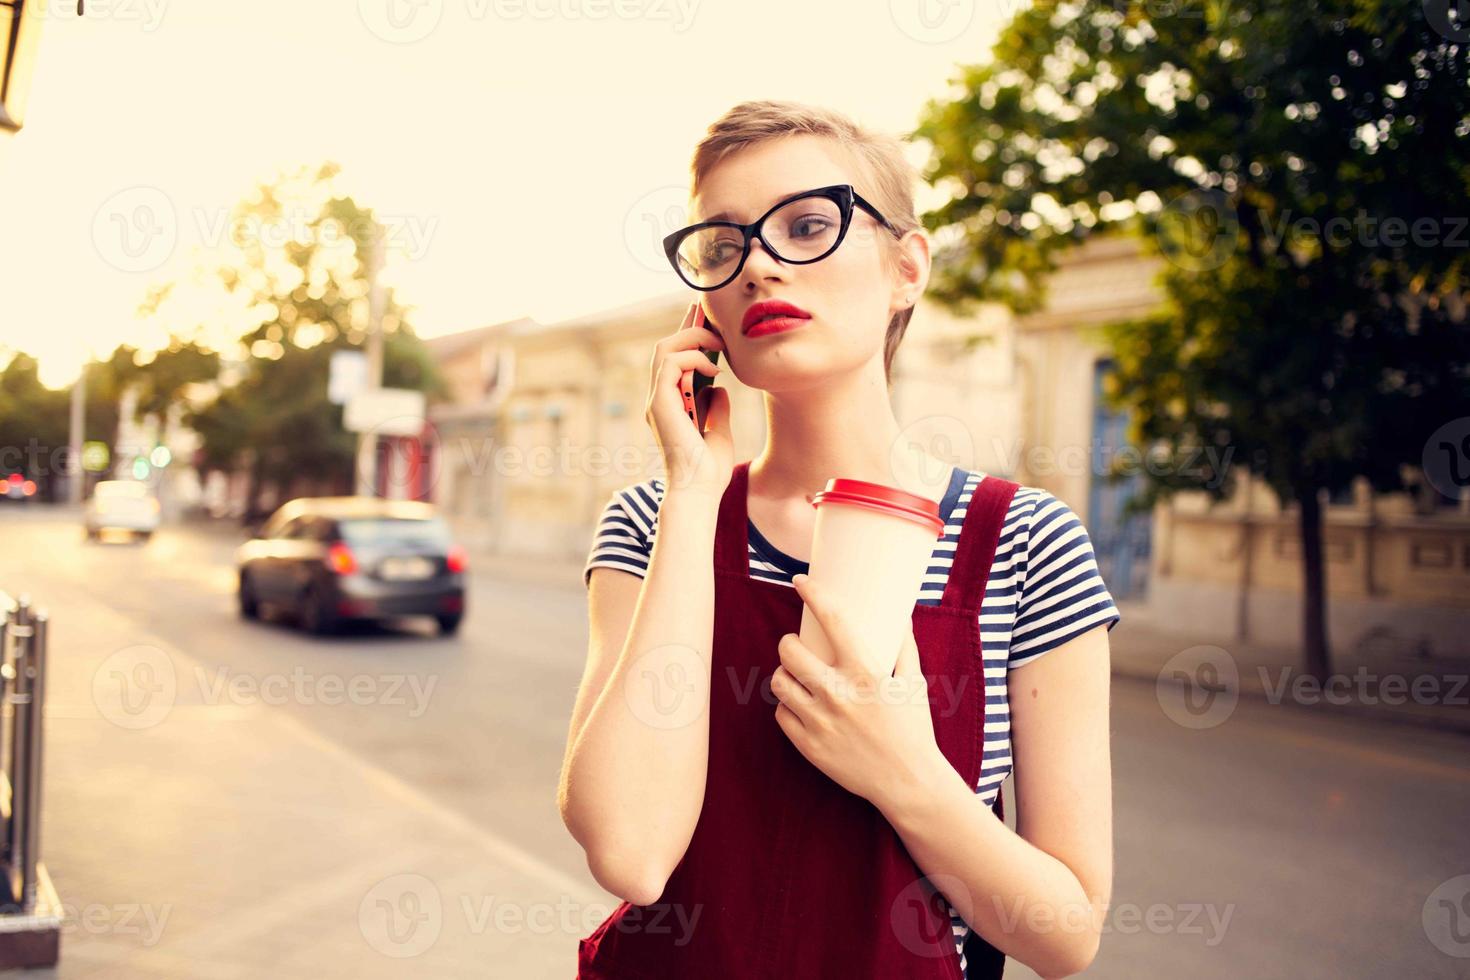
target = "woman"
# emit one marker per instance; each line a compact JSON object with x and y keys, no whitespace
{"x":757,"y":816}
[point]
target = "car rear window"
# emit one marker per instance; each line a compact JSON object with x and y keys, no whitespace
{"x":376,"y":530}
{"x":120,"y":489}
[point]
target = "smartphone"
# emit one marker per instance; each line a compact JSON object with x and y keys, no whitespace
{"x":698,"y":382}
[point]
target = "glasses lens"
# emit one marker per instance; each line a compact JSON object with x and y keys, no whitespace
{"x":804,"y":229}
{"x":708,"y":256}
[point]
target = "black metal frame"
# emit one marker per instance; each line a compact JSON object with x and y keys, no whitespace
{"x":12,"y":44}
{"x":23,"y":632}
{"x":845,"y":196}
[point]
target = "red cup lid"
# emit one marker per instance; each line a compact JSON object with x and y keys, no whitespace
{"x":889,"y":500}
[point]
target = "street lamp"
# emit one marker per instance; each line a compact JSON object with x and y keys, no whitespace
{"x":17,"y":50}
{"x":19,"y":35}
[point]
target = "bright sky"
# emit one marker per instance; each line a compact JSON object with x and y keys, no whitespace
{"x":501,"y":137}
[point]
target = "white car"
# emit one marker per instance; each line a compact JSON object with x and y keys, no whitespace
{"x":121,"y":505}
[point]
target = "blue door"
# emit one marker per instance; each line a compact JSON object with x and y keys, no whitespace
{"x":1121,"y":543}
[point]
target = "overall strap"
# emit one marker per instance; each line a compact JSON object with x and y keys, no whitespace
{"x":732,"y":543}
{"x":979,"y":536}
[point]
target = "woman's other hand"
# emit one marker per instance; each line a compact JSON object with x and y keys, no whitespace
{"x":692,"y":461}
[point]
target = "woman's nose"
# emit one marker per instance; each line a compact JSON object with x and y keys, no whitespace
{"x":760,"y":259}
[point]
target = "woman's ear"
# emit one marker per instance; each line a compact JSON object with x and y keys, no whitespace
{"x":911,"y":269}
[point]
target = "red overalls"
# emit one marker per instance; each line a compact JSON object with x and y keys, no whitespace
{"x":788,"y":875}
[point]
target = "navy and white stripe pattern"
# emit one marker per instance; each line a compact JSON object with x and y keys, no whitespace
{"x":1044,"y":589}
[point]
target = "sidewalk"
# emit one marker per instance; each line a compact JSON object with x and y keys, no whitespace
{"x":1385,"y":684}
{"x":1142,"y":648}
{"x":302,"y":860}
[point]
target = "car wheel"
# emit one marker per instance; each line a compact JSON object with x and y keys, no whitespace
{"x":315,"y":616}
{"x":249,"y":604}
{"x":449,"y":625}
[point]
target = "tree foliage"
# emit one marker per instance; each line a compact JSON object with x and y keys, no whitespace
{"x":1303,"y":168}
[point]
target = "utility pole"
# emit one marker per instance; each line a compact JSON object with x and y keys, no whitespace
{"x":367,"y":442}
{"x":76,"y":476}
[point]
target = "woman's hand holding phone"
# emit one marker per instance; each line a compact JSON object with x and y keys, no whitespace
{"x":692,"y":460}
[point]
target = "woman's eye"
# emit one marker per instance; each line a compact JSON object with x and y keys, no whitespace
{"x":718,"y":252}
{"x":803,"y":227}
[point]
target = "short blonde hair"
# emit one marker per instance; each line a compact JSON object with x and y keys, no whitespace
{"x":885,"y":176}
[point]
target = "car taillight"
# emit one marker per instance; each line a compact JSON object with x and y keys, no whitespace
{"x":456,"y":559}
{"x":341,"y":560}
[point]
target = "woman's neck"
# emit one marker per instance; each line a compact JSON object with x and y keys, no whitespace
{"x":844,"y":427}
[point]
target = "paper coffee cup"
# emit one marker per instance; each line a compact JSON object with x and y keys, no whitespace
{"x":870,"y":549}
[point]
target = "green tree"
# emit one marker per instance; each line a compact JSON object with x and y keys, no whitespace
{"x":171,"y":372}
{"x":1304,"y":169}
{"x":302,"y":276}
{"x":32,"y":424}
{"x":35,"y":421}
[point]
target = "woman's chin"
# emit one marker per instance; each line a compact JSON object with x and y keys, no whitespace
{"x":790,"y":373}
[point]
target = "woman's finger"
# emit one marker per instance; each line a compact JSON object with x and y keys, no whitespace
{"x":692,"y":332}
{"x":789,"y":690}
{"x":789,"y":720}
{"x":675,"y":369}
{"x":801,"y":663}
{"x":835,"y":626}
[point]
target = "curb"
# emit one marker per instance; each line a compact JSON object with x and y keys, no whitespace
{"x":1442,"y":718}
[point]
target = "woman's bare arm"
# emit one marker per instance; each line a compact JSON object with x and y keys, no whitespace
{"x":632,"y":783}
{"x":1039,"y":894}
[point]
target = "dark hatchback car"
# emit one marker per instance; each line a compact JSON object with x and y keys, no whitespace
{"x":335,"y":559}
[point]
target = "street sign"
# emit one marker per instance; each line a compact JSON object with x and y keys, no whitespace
{"x":348,"y":375}
{"x":385,"y":412}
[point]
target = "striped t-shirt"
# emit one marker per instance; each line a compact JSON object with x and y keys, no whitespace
{"x":1044,"y":589}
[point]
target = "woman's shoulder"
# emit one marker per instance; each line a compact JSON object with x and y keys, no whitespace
{"x":625,"y":529}
{"x":640,"y":502}
{"x":1025,"y":505}
{"x":1059,"y":590}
